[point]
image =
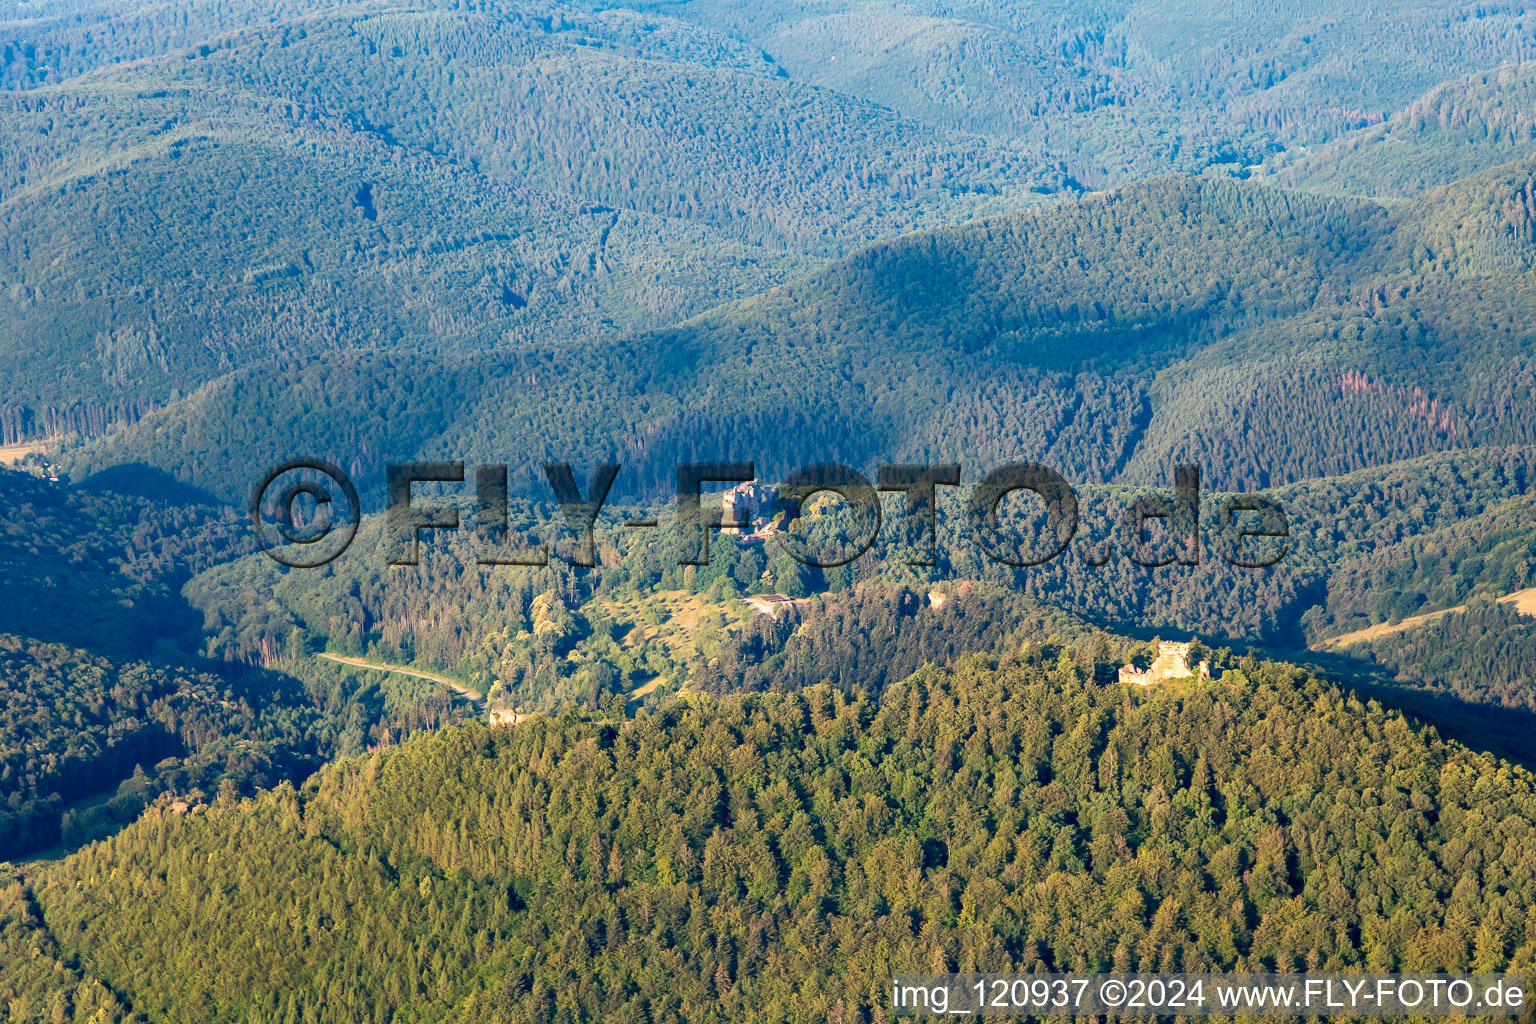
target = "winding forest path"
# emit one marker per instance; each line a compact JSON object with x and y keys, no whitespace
{"x":478,"y":700}
{"x":1523,"y":600}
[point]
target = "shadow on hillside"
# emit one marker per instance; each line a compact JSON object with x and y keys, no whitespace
{"x":1509,"y":733}
{"x":137,"y":480}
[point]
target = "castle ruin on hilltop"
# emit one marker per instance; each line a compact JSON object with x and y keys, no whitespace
{"x":1172,"y":662}
{"x":749,"y":504}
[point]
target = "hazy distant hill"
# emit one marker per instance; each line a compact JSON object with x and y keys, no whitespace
{"x":1132,"y":87}
{"x":218,"y":247}
{"x":1269,"y":336}
{"x":433,"y":182}
{"x":1458,"y":129}
{"x":186,"y":191}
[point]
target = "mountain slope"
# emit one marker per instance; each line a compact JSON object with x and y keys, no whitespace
{"x":731,"y":860}
{"x":428,"y":181}
{"x":218,"y":249}
{"x":101,"y":567}
{"x":1131,"y":88}
{"x":187,"y":192}
{"x":1269,"y":336}
{"x":1458,"y":129}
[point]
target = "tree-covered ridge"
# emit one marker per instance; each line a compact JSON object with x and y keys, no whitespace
{"x":328,"y":243}
{"x":447,"y":179}
{"x":865,"y":638}
{"x":36,"y":984}
{"x":1102,"y":85}
{"x":1115,"y":85}
{"x":74,"y":726}
{"x":627,"y":110}
{"x":776,"y":856}
{"x":59,"y":39}
{"x":435,"y":180}
{"x":1268,"y":336}
{"x":1483,"y":655}
{"x":86,"y":742}
{"x":1440,"y":527}
{"x":1457,"y":129}
{"x":1488,"y":555}
{"x":105,"y":699}
{"x":638,"y":623}
{"x":102,"y":565}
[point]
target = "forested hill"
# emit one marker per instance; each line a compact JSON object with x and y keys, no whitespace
{"x":100,"y":566}
{"x":1457,"y":129}
{"x":1132,"y":87}
{"x":87,"y":742}
{"x":1104,"y":82}
{"x":188,"y":189}
{"x":1270,"y":336}
{"x":385,"y":178}
{"x":776,"y":857}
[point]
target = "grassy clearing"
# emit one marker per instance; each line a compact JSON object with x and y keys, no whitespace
{"x":672,"y":618}
{"x":11,"y":454}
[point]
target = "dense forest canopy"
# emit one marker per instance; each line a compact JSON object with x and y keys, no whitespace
{"x":776,"y":857}
{"x":1455,"y":130}
{"x":89,"y":742}
{"x":434,"y":180}
{"x":1266,"y":336}
{"x":1484,"y":654}
{"x":458,"y":177}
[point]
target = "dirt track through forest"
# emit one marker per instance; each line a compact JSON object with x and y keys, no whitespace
{"x":1523,"y":600}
